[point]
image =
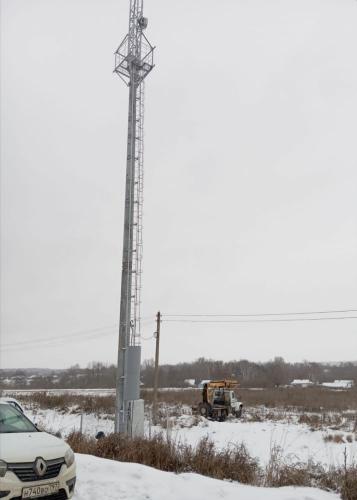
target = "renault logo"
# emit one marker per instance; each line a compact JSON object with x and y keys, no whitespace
{"x":40,"y":467}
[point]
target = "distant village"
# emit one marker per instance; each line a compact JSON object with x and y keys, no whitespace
{"x":275,"y":373}
{"x":336,"y":384}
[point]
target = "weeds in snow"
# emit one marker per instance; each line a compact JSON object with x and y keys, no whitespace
{"x":233,"y":464}
{"x":334,"y":438}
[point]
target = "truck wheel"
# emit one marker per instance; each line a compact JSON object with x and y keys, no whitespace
{"x":204,"y":410}
{"x":239,"y":412}
{"x":223,"y":416}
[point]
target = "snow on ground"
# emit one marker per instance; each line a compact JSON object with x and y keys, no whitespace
{"x":339,"y":384}
{"x":65,"y":423}
{"x":89,"y":392}
{"x":296,"y":441}
{"x":99,"y":478}
{"x":60,"y":392}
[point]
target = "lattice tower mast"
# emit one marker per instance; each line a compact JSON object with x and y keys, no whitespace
{"x":133,"y":62}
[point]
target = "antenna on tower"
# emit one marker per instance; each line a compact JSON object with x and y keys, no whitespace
{"x":134,"y":59}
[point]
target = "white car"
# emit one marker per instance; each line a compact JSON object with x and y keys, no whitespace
{"x":33,"y":464}
{"x":12,"y":402}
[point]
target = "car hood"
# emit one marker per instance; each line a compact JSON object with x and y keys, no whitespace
{"x":27,"y":446}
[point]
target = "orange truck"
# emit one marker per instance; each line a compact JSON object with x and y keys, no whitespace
{"x":219,"y":400}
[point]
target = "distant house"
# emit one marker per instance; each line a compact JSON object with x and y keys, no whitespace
{"x":301,"y":383}
{"x":191,"y":382}
{"x":340,"y":384}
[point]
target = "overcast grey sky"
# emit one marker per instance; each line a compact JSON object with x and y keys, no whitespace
{"x":250,"y":177}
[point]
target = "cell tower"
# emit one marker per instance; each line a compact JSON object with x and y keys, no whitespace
{"x":133,"y":62}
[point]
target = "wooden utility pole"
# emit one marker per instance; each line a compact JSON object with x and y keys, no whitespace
{"x":156,"y":375}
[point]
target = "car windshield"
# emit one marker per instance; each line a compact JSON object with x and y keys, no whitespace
{"x":12,"y":420}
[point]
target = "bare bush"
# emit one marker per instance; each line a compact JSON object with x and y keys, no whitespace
{"x":234,"y":463}
{"x":314,"y":421}
{"x":279,"y":473}
{"x":349,"y":485}
{"x":334,"y":438}
{"x":70,"y":403}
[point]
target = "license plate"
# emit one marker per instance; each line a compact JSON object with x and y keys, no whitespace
{"x":40,"y":491}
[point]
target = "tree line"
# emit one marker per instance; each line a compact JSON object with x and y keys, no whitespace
{"x":273,"y":373}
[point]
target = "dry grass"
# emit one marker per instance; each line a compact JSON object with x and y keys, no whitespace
{"x":334,"y":438}
{"x":307,"y":475}
{"x":235,"y":464}
{"x":187,"y":397}
{"x":311,"y":399}
{"x":279,"y":473}
{"x":70,"y":403}
{"x":314,"y":421}
{"x":323,"y":420}
{"x":254,"y":416}
{"x":349,"y":485}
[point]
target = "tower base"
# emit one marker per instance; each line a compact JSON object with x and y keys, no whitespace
{"x":136,"y":418}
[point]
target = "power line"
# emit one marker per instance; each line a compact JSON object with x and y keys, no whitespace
{"x":63,"y":339}
{"x":92,"y":332}
{"x":54,"y":343}
{"x":279,"y":320}
{"x":246,"y":315}
{"x":181,"y":318}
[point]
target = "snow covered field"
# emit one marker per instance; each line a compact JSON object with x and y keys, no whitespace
{"x":109,"y":480}
{"x":65,"y":423}
{"x":277,"y":429}
{"x":297,"y":442}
